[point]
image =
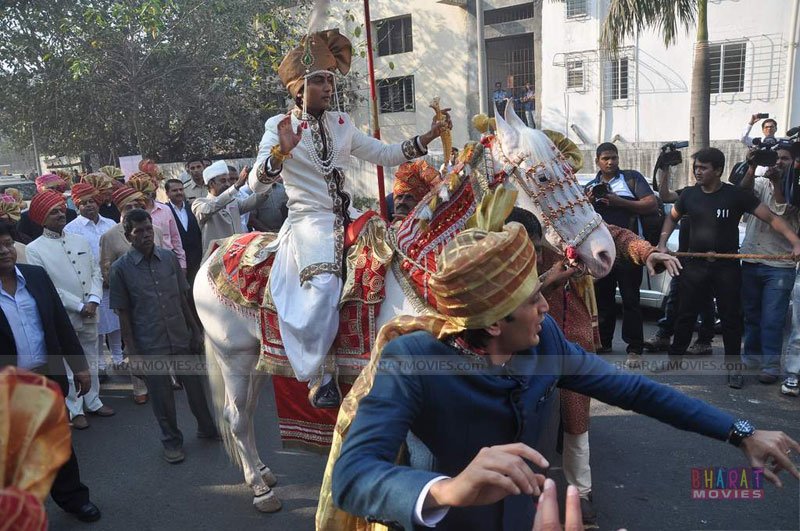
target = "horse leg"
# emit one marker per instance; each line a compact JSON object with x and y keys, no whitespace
{"x":257,"y":380}
{"x":240,"y":393}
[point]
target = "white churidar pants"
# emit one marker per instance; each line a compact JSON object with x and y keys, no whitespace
{"x":91,"y":400}
{"x":576,"y":462}
{"x":308,"y":314}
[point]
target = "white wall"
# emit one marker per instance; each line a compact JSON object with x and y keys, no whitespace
{"x":664,"y":75}
{"x":438,"y":62}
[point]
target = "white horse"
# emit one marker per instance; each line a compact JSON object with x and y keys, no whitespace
{"x":526,"y":160}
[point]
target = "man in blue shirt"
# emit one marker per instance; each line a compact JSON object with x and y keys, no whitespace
{"x":620,"y":197}
{"x":36,"y":334}
{"x":474,"y":383}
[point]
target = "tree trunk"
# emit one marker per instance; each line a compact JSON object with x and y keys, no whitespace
{"x":700,"y":107}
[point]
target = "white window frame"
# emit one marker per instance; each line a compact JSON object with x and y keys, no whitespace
{"x":718,"y":90}
{"x":614,"y":93}
{"x":408,"y":46}
{"x":572,"y":66}
{"x":576,"y":9}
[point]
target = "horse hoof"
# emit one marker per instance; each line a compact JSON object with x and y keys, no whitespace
{"x":268,"y":477}
{"x":267,"y":502}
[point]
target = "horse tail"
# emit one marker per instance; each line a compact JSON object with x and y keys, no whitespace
{"x":219,"y":400}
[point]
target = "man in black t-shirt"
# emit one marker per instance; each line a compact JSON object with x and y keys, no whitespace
{"x":715,"y":209}
{"x":662,"y":338}
{"x":620,"y":197}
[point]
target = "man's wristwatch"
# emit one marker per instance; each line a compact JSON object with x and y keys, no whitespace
{"x":740,"y":430}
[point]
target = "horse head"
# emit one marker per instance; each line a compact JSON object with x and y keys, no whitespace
{"x":531,"y":163}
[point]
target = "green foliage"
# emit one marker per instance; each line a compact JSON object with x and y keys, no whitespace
{"x":163,"y":78}
{"x":627,"y":17}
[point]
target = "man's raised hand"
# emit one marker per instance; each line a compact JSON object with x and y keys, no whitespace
{"x":287,"y":136}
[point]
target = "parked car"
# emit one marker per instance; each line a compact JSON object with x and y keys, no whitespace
{"x":26,"y":187}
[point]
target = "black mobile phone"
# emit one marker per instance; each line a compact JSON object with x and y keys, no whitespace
{"x":762,"y":115}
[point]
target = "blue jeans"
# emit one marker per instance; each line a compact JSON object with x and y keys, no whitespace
{"x":765,"y":301}
{"x":792,"y":361}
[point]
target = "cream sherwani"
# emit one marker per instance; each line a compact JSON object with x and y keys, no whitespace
{"x":220,"y":216}
{"x":107,"y":320}
{"x":306,"y":276}
{"x":71,"y":265}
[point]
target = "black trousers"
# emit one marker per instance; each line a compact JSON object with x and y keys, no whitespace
{"x":700,"y":280}
{"x":628,"y":277}
{"x":68,"y":492}
{"x":666,"y":325}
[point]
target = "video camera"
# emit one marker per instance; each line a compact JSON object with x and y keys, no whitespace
{"x":766,"y":153}
{"x":670,"y":154}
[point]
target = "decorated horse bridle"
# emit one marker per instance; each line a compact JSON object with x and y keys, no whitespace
{"x":538,"y":185}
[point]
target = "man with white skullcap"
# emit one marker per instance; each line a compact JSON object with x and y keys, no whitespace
{"x":219,"y":212}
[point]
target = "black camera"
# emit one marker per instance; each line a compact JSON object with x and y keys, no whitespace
{"x":670,"y":156}
{"x":600,"y":190}
{"x":765,"y":154}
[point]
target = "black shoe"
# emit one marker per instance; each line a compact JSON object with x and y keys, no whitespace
{"x":327,"y":396}
{"x":735,"y":380}
{"x":88,"y":512}
{"x":603,"y":350}
{"x":212,"y":435}
{"x":588,"y":513}
{"x":102,"y":377}
{"x":767,"y":378}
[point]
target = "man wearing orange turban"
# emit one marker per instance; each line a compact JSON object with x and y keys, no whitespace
{"x":68,"y":260}
{"x":412,"y":181}
{"x":308,"y":148}
{"x":475,"y":383}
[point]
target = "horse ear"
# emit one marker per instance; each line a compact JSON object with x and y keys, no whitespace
{"x":507,"y":134}
{"x":512,"y":118}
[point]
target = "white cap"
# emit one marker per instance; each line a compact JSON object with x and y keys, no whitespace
{"x":215,"y":170}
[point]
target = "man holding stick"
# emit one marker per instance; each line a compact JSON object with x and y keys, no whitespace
{"x":715,"y":209}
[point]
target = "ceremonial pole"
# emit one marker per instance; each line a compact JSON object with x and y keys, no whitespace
{"x":373,"y":94}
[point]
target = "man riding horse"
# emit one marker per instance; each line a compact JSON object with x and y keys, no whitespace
{"x":308,"y":147}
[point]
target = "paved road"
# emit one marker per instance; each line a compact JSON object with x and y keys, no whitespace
{"x":641,"y":470}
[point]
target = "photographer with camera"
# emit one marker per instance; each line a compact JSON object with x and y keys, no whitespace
{"x":662,"y":338}
{"x":768,"y":128}
{"x":621,"y":198}
{"x":766,"y":284}
{"x":715,"y":209}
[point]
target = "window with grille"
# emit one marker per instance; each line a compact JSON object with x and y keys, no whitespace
{"x":575,"y":74}
{"x":619,"y":78}
{"x":394,"y":35}
{"x":727,"y":65}
{"x":396,"y":94}
{"x":508,"y":14}
{"x":577,"y":8}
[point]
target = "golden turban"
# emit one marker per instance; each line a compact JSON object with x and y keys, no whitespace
{"x":327,"y":50}
{"x":100,"y":181}
{"x":416,"y":178}
{"x":142,"y":182}
{"x":34,"y":431}
{"x":9,"y":207}
{"x":113,"y":172}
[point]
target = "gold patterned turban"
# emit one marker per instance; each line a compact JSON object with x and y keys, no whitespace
{"x":9,"y":207}
{"x":327,"y":50}
{"x":416,"y":178}
{"x":142,"y":182}
{"x":113,"y":172}
{"x":100,"y":181}
{"x":36,"y":443}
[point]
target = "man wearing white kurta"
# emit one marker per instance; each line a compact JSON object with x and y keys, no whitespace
{"x":69,"y":263}
{"x":308,"y":148}
{"x":91,"y":225}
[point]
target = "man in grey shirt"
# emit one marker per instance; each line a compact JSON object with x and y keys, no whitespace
{"x":149,"y":292}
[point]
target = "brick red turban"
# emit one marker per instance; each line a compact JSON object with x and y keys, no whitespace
{"x":42,"y":203}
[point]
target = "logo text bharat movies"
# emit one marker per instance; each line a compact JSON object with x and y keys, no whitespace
{"x":720,"y":483}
